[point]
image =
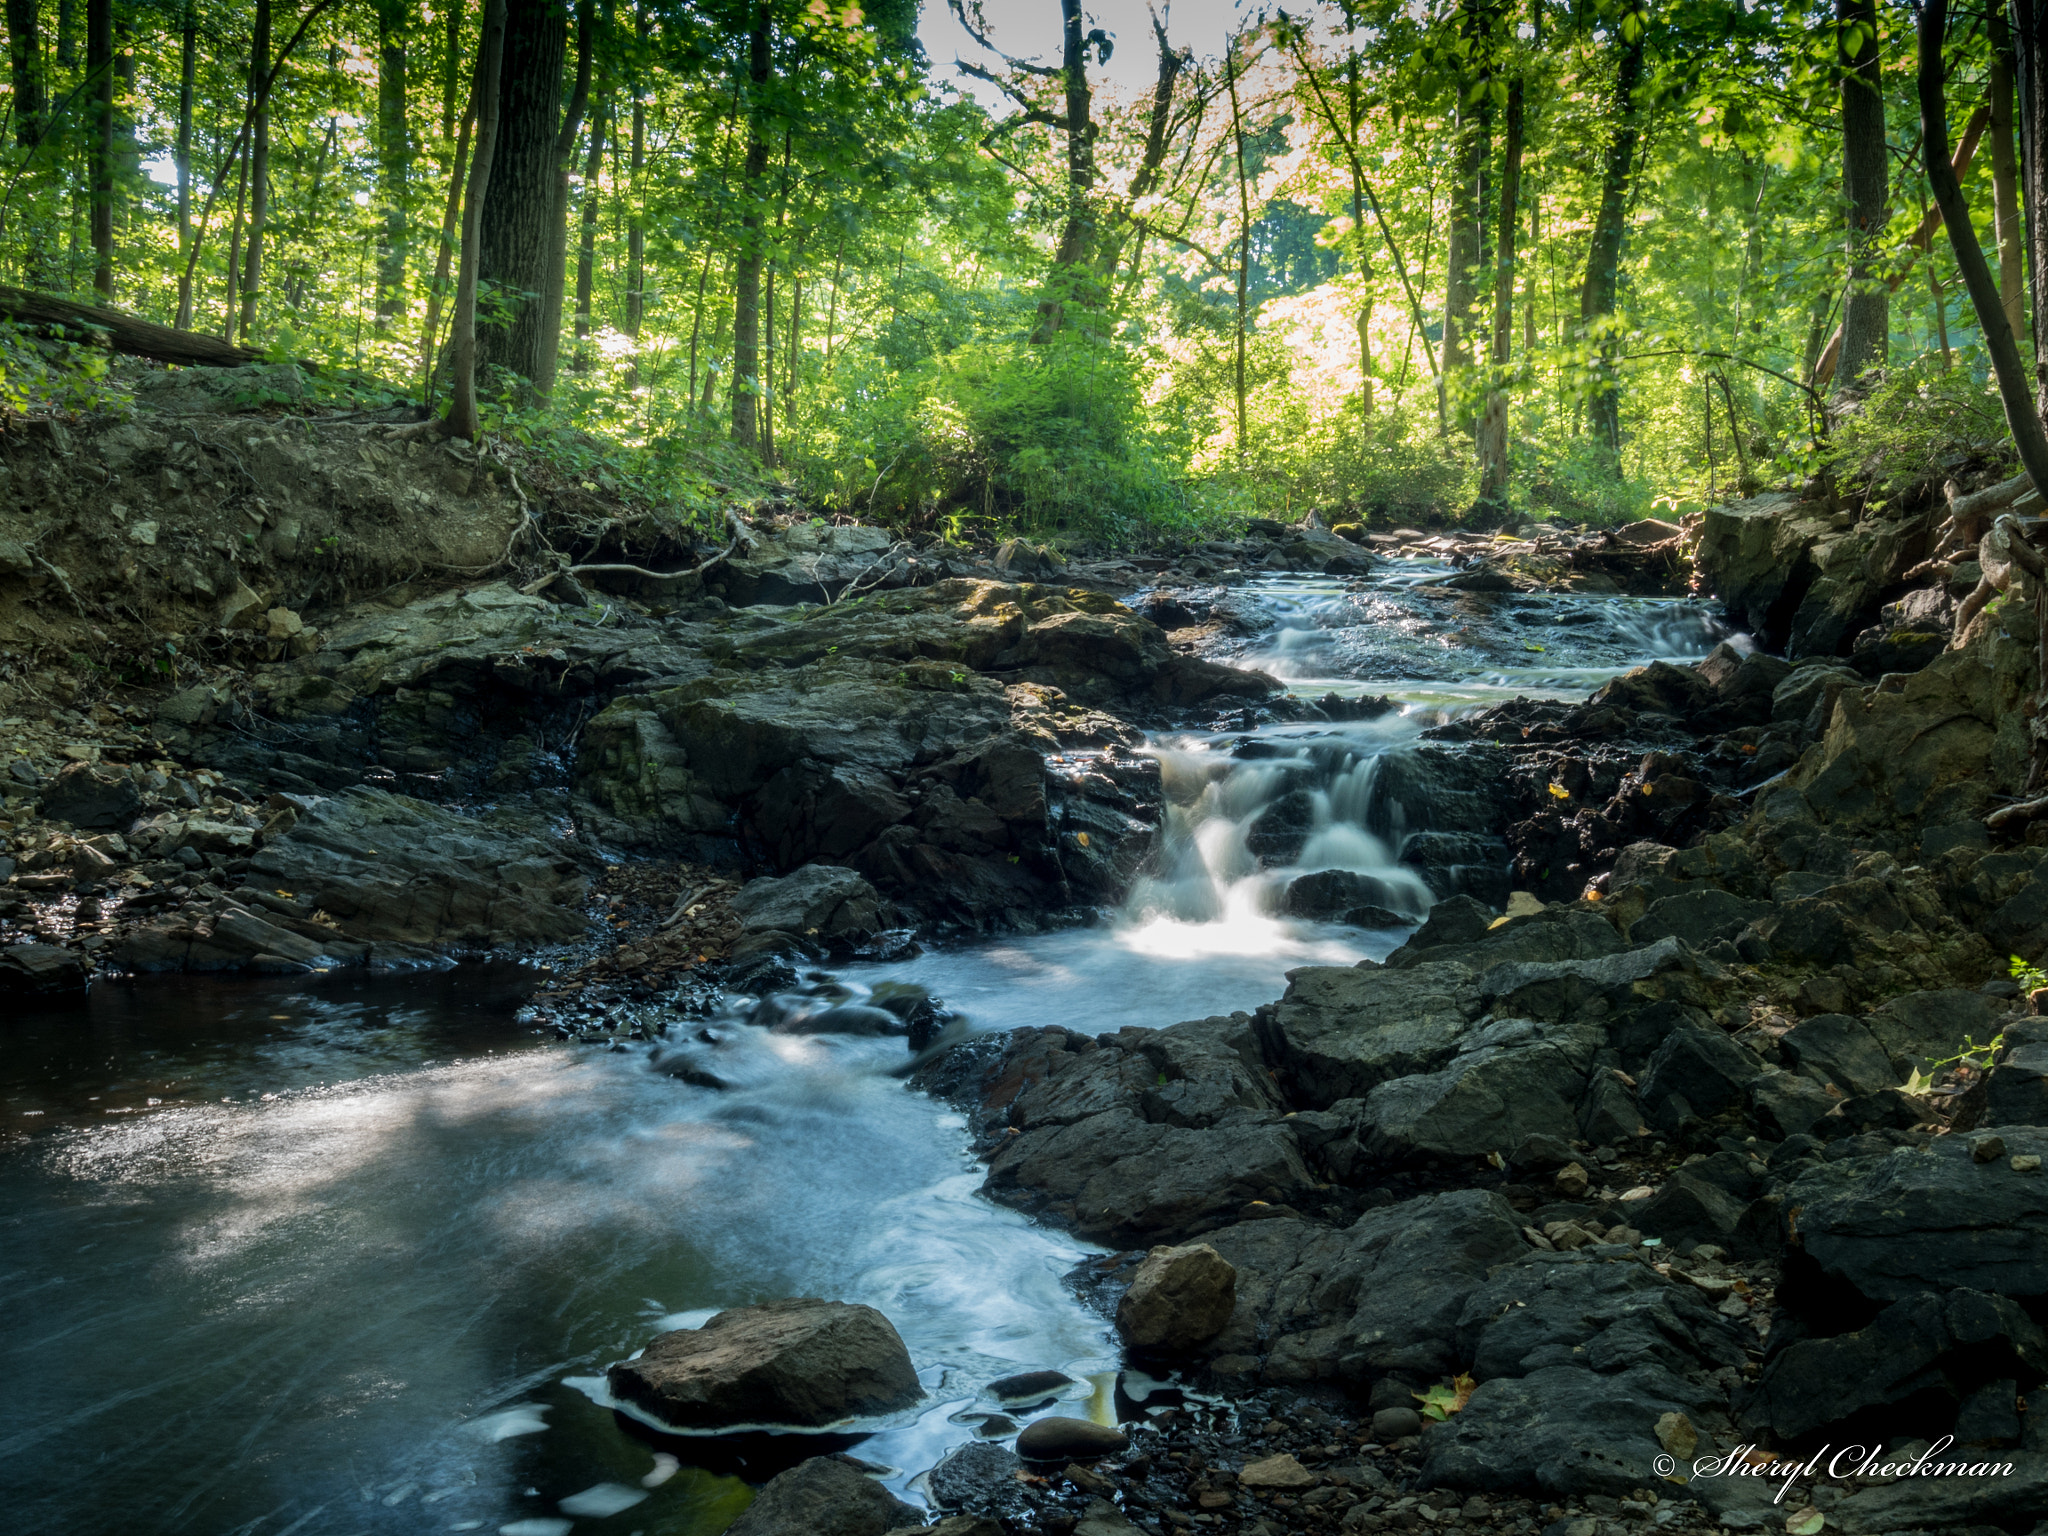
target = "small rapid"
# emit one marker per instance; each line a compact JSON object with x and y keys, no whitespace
{"x":351,"y":1256}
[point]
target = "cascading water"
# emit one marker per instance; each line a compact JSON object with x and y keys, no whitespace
{"x":293,"y":1261}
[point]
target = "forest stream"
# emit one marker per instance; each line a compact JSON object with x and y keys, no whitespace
{"x":351,"y":1254}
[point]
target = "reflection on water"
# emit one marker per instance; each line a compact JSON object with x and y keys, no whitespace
{"x":354,"y":1307}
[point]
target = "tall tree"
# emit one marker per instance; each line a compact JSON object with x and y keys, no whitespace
{"x":99,"y":69}
{"x":464,"y":419}
{"x":1866,"y":308}
{"x":586,"y":250}
{"x":1491,"y":438}
{"x":1244,"y":232}
{"x":2030,"y":60}
{"x":25,"y":56}
{"x":394,"y":154}
{"x":550,"y":343}
{"x":259,"y":168}
{"x":188,"y":71}
{"x":1601,"y":291}
{"x":516,"y":243}
{"x":1471,"y":131}
{"x":747,"y":387}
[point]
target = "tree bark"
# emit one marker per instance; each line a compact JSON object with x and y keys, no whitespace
{"x":259,"y":169}
{"x":463,"y":419}
{"x":558,"y":212}
{"x":1866,"y":310}
{"x":1601,"y":290}
{"x":124,"y":332}
{"x":586,"y":251}
{"x":394,"y":154}
{"x":99,"y":68}
{"x":1071,"y":271}
{"x":2021,"y":415}
{"x":513,"y":257}
{"x":2030,"y":60}
{"x":1461,"y":273}
{"x":444,"y":254}
{"x":25,"y":55}
{"x":1492,"y":437}
{"x":746,"y":303}
{"x":1356,"y":119}
{"x":188,"y":67}
{"x":1244,"y":233}
{"x":451,"y":66}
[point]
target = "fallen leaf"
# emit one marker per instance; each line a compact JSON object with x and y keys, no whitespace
{"x":1805,"y":1522}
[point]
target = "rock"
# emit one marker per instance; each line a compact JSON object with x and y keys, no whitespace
{"x":1581,"y":1308}
{"x":1975,"y":1501}
{"x":824,"y":1496}
{"x":1333,"y":893}
{"x":1918,"y":1029}
{"x":1029,"y":1384}
{"x":1703,"y":1068}
{"x":1744,"y":682}
{"x":1395,"y":1424}
{"x":819,"y":901}
{"x":1927,"y":1218}
{"x":977,"y":1473}
{"x":1489,"y":1099}
{"x":1057,"y":1439}
{"x":1179,"y":1298}
{"x":2017,"y":1090}
{"x":1786,"y":1104}
{"x":952,"y":1525}
{"x":1571,"y":1181}
{"x":1698,"y":917}
{"x":1833,"y":1048}
{"x":1917,"y":1357}
{"x":1564,"y":1429}
{"x":800,"y":1362}
{"x":1690,"y":1208}
{"x":1810,"y":688}
{"x":1282,"y":1473}
{"x":95,"y":795}
{"x":42,"y":973}
{"x":1562,"y":988}
{"x":1340,"y":1031}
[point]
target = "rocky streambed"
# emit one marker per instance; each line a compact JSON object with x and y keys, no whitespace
{"x":1485,"y":985}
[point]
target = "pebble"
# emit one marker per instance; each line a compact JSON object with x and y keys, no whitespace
{"x":1029,"y":1384}
{"x":1394,"y":1423}
{"x":1282,"y":1471}
{"x":1987,"y":1149}
{"x":2024,"y":1162}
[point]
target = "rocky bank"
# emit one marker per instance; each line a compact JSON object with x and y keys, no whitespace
{"x":1699,"y":1125}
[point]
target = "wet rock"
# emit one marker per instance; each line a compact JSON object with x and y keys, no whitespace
{"x":93,"y":795}
{"x":819,"y":901}
{"x":1563,"y":1429}
{"x":795,"y":1362}
{"x":1744,"y":683}
{"x":42,"y":973}
{"x":1058,"y":1439}
{"x":1908,"y":1367}
{"x":952,"y":1525}
{"x":1029,"y":1384}
{"x":1334,"y":893}
{"x":824,"y":1496}
{"x":1179,"y":1298}
{"x":1927,"y":1218}
{"x":979,"y":1475}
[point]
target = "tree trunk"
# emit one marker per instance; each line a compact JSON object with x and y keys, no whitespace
{"x":1461,"y":278}
{"x":1866,"y":310}
{"x":126,"y":333}
{"x":1601,"y":290}
{"x":451,"y":66}
{"x":394,"y":154}
{"x":463,"y":420}
{"x":67,"y":34}
{"x":99,"y":69}
{"x":25,"y":55}
{"x":1071,"y":270}
{"x":259,"y":169}
{"x":188,"y":68}
{"x":2021,"y":415}
{"x":1244,"y":232}
{"x":2030,"y":59}
{"x":586,"y":251}
{"x":746,"y":302}
{"x":444,"y":254}
{"x":516,"y":243}
{"x":1493,"y":420}
{"x":1355,"y":115}
{"x":558,"y":212}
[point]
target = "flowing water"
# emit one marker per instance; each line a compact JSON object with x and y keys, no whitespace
{"x":351,"y":1255}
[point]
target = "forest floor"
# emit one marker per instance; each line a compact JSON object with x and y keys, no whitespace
{"x":1712,"y":1129}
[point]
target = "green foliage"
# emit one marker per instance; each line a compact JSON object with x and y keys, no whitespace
{"x":1914,"y":417}
{"x":2030,"y":977}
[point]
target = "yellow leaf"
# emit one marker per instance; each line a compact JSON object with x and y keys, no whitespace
{"x":1560,"y":791}
{"x":1081,"y":838}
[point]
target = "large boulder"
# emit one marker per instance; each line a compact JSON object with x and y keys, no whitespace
{"x":1179,"y":1298}
{"x":820,"y":901}
{"x":1341,"y":1031}
{"x":1927,"y":1218}
{"x":800,"y":1362}
{"x":41,"y":974}
{"x":824,"y":1496}
{"x":1512,"y":1079}
{"x":91,"y":795}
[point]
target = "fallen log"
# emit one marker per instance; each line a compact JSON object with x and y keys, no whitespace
{"x":125,"y":332}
